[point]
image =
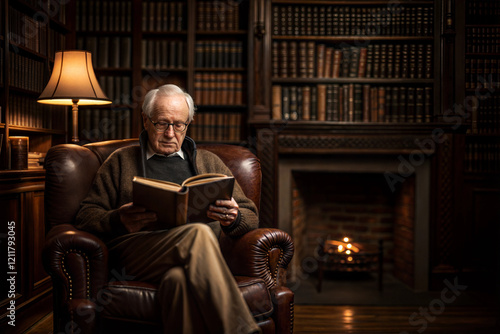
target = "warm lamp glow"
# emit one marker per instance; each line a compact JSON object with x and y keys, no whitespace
{"x":73,"y":83}
{"x":346,"y":239}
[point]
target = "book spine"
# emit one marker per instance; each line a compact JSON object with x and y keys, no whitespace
{"x":293,"y":103}
{"x":388,"y":116}
{"x":285,"y":93}
{"x":395,"y":105}
{"x":277,"y":100}
{"x":381,"y":104}
{"x":329,"y":102}
{"x":321,"y":102}
{"x":363,"y":53}
{"x":292,"y":59}
{"x":335,"y":102}
{"x":366,"y":103}
{"x":320,"y":60}
{"x":306,"y":103}
{"x":373,"y":104}
{"x":410,"y":106}
{"x":337,"y":60}
{"x":311,"y":57}
{"x":358,"y":103}
{"x":428,"y":103}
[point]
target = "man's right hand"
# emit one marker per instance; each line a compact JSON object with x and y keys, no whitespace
{"x":135,"y":218}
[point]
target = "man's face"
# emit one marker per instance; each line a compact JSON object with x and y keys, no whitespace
{"x":172,"y":109}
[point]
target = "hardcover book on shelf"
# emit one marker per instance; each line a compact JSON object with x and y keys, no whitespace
{"x":178,"y":204}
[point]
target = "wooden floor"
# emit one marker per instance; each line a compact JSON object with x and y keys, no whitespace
{"x":315,"y":319}
{"x":391,"y":319}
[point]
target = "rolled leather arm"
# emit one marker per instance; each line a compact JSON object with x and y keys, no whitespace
{"x":264,"y":252}
{"x":77,"y":261}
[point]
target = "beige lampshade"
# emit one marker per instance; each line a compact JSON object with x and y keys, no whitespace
{"x":73,"y":79}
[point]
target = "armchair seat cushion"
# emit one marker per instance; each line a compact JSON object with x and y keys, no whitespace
{"x":136,"y":301}
{"x":131,"y":301}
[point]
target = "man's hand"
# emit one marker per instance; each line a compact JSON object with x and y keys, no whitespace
{"x":135,"y":218}
{"x":225,"y":211}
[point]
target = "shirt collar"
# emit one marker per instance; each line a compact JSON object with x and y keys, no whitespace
{"x":150,"y":153}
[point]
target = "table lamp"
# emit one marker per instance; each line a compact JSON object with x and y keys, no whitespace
{"x":72,"y":83}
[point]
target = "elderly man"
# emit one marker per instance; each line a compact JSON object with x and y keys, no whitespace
{"x":197,"y":292}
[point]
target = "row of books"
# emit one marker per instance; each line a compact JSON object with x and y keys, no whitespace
{"x":104,"y":123}
{"x":165,"y":16}
{"x":36,"y":160}
{"x":219,"y":54}
{"x":108,"y":51}
{"x":158,"y":54}
{"x":483,"y":72}
{"x":214,"y":88}
{"x":216,"y":126}
{"x":332,"y":20}
{"x":106,"y":15}
{"x":117,"y":88}
{"x":292,"y":59}
{"x":352,"y":103}
{"x":217,"y":15}
{"x":486,"y":119}
{"x":482,"y":39}
{"x":27,"y":32}
{"x":26,"y":73}
{"x":29,"y":113}
{"x":57,"y":42}
{"x":482,"y":11}
{"x":482,"y":157}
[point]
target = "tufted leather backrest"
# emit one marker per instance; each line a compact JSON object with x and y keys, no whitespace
{"x":244,"y":165}
{"x":70,"y":171}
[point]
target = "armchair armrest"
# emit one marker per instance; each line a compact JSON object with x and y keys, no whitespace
{"x":264,"y":253}
{"x":77,"y":261}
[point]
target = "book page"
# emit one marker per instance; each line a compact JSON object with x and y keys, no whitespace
{"x":158,"y":183}
{"x":202,"y":178}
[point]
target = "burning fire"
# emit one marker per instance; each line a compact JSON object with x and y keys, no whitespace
{"x":345,"y":246}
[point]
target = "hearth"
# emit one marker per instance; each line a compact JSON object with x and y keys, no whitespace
{"x":352,"y":196}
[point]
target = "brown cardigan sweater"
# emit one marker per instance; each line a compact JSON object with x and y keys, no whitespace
{"x":112,"y":188}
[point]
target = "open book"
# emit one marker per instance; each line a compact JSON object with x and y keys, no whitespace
{"x":177,"y":204}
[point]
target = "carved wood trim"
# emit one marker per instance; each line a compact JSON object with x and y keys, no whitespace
{"x":353,"y":144}
{"x":267,"y":152}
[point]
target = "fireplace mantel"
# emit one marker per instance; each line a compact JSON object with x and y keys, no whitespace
{"x":436,"y":143}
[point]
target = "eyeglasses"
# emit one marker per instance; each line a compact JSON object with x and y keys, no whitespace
{"x":178,"y":127}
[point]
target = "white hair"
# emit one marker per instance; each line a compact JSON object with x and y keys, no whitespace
{"x":166,"y":90}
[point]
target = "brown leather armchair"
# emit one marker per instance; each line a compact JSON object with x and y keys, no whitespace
{"x":89,"y":298}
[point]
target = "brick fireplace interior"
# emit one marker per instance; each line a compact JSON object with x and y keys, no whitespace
{"x":333,"y":198}
{"x":360,"y":206}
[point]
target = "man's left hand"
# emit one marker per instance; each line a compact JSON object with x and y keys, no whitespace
{"x":225,"y":211}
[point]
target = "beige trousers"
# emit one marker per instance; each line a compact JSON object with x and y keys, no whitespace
{"x":197,"y":292}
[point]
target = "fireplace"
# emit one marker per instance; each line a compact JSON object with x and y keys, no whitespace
{"x":346,"y":195}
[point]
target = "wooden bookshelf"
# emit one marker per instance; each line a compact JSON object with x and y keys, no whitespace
{"x":199,"y":45}
{"x":347,"y":62}
{"x":482,"y":83}
{"x":30,"y":37}
{"x":30,"y":34}
{"x":478,"y":55}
